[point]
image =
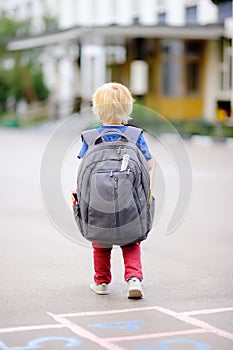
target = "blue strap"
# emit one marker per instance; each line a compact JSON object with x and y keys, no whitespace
{"x":131,"y":132}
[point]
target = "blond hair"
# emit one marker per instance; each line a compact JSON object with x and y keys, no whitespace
{"x":113,"y":103}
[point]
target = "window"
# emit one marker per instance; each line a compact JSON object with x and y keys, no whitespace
{"x":191,"y":15}
{"x":162,"y":18}
{"x":224,"y":10}
{"x":192,"y":78}
{"x":151,"y":78}
{"x":230,"y":73}
{"x":180,"y":67}
{"x":172,"y":52}
{"x":136,"y":20}
{"x":193,"y":51}
{"x":135,"y":12}
{"x":172,"y":78}
{"x":226,"y":70}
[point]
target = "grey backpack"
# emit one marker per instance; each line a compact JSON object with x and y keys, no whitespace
{"x":113,"y":183}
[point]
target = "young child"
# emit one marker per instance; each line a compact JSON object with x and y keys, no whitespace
{"x":113,"y":104}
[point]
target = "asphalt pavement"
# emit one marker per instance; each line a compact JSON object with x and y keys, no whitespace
{"x":45,"y":300}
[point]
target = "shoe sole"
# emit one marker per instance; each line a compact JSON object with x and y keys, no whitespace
{"x":135,"y":294}
{"x":99,"y":292}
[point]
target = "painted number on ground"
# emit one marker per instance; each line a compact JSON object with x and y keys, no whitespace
{"x":38,"y":343}
{"x":125,"y":325}
{"x":165,"y":345}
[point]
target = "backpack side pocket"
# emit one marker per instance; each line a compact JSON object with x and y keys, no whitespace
{"x":77,"y":217}
{"x":76,"y":211}
{"x":151,"y":213}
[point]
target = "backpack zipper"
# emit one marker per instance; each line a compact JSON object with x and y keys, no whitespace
{"x":142,"y":168}
{"x":90,"y":151}
{"x":116,"y":204}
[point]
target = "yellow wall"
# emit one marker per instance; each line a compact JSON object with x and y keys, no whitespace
{"x":181,"y":107}
{"x":176,"y":108}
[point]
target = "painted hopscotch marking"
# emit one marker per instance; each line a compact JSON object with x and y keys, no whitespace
{"x":36,"y":343}
{"x":147,"y":308}
{"x":197,"y":323}
{"x":203,"y":327}
{"x":162,"y":345}
{"x":29,"y":328}
{"x":206,"y":311}
{"x":158,"y":335}
{"x":108,"y":343}
{"x":83,"y":333}
{"x":108,"y":312}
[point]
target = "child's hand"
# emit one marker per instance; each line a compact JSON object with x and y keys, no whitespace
{"x":150,"y":164}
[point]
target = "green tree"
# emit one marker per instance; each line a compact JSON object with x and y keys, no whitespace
{"x":9,"y":29}
{"x":21,"y":75}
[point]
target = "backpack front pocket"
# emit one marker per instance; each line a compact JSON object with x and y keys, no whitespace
{"x":102,"y":201}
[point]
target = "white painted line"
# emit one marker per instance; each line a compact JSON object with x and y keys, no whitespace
{"x":29,"y":328}
{"x":147,"y":308}
{"x":107,"y":312}
{"x":83,"y":333}
{"x":158,"y":335}
{"x":206,"y":311}
{"x":197,"y":323}
{"x":150,"y":308}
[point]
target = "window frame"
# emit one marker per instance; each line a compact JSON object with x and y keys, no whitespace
{"x":183,"y":60}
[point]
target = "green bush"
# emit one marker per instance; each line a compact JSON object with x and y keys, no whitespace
{"x":156,"y":124}
{"x":21,"y":76}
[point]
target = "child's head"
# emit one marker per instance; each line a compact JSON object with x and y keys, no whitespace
{"x":113,"y":103}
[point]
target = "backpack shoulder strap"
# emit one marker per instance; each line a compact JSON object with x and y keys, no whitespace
{"x":132,"y":133}
{"x":89,"y":136}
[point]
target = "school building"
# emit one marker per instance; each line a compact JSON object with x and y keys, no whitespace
{"x":175,"y":55}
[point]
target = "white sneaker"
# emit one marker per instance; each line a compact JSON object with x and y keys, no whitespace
{"x":134,"y":288}
{"x":101,"y":289}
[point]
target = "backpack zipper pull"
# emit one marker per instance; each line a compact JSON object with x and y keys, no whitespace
{"x":125,"y":162}
{"x":115,"y":183}
{"x":111,"y":174}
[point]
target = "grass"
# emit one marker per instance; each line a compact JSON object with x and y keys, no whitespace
{"x":10,"y":120}
{"x":149,"y":122}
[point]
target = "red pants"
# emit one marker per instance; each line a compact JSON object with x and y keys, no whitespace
{"x":102,"y":262}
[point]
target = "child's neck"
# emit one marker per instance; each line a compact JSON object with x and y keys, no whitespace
{"x":115,"y":124}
